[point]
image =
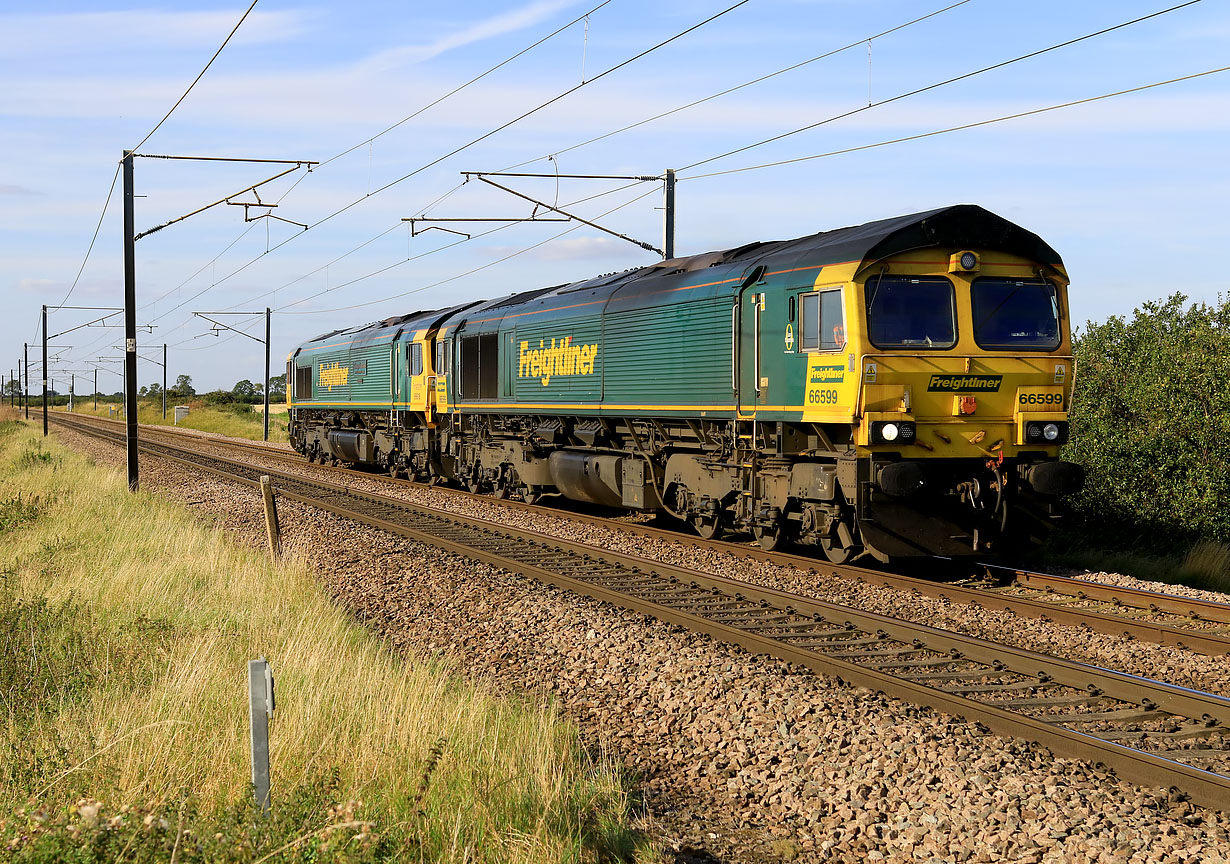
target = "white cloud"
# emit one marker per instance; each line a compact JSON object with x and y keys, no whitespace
{"x":13,"y":189}
{"x":38,"y":286}
{"x":498,"y":25}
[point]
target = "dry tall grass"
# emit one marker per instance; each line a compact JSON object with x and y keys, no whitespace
{"x":1208,"y":564}
{"x":507,"y":781}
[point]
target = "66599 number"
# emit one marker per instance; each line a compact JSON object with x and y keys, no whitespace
{"x":1041,"y":399}
{"x":822,"y":397}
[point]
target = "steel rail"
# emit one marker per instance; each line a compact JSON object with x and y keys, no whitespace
{"x":1135,"y":598}
{"x":795,"y":629}
{"x":1099,"y":621}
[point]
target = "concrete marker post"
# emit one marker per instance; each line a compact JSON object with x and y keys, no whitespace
{"x":272,"y":529}
{"x":260,"y":709}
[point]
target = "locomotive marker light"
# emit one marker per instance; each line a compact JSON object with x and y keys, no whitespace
{"x":963,"y":262}
{"x":1050,"y":432}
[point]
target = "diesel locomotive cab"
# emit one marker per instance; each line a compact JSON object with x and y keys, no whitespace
{"x":979,"y":364}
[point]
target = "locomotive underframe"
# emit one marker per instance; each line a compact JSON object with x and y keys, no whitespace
{"x":778,"y":480}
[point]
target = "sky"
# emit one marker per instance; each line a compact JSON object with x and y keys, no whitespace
{"x":1128,"y":189}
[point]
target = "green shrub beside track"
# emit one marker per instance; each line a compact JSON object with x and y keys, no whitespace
{"x":1151,"y":425}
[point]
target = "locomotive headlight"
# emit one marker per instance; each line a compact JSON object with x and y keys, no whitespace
{"x":893,"y":432}
{"x":968,"y":260}
{"x":1042,"y":432}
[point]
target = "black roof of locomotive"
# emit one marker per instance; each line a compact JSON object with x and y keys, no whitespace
{"x":963,"y":226}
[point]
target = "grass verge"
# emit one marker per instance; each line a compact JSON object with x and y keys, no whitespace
{"x":125,"y":630}
{"x":1203,"y":564}
{"x":236,"y":420}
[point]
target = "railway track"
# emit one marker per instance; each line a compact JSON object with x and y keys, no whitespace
{"x":1193,"y":624}
{"x":1147,"y":731}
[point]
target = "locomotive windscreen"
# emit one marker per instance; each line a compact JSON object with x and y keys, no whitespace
{"x":916,"y":312}
{"x":1011,"y":314}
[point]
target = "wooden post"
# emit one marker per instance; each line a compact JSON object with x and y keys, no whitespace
{"x":271,"y":518}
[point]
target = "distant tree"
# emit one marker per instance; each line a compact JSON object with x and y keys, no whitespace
{"x":244,"y":390}
{"x":183,"y":386}
{"x":277,"y":388}
{"x":12,"y":387}
{"x":155,"y":390}
{"x":144,"y":391}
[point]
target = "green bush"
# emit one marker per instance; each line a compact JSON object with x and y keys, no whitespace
{"x":218,"y":397}
{"x":1151,"y":424}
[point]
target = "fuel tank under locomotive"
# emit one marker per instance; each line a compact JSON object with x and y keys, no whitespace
{"x":607,"y":479}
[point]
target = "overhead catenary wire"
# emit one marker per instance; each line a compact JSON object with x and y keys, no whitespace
{"x":235,"y":29}
{"x":606,"y":135}
{"x":964,"y":126}
{"x":402,"y":262}
{"x":445,"y":281}
{"x":769,"y":76}
{"x":943,"y":83}
{"x":896,"y":98}
{"x":482,"y":75}
{"x":481,"y":138}
{"x":452,"y":92}
{"x":97,"y":228}
{"x":899,"y":97}
{"x":157,"y":126}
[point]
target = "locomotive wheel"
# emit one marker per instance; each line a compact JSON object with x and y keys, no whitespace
{"x":531,"y":494}
{"x":708,"y":529}
{"x":834,"y":551}
{"x":474,"y":482}
{"x":768,"y":538}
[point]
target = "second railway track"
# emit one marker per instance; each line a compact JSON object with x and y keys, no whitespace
{"x":1147,"y":731}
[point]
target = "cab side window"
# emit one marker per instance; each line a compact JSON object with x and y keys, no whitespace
{"x":416,"y":359}
{"x":822,"y":321}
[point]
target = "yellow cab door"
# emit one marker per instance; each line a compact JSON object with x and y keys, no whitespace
{"x":416,"y":373}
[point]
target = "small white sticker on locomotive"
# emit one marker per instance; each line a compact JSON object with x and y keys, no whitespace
{"x":869,"y":376}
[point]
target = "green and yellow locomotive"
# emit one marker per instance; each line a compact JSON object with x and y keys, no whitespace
{"x":894,"y":389}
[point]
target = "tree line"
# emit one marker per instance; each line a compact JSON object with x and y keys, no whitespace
{"x":244,"y":392}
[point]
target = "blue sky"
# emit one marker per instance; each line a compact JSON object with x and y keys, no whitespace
{"x":1131,"y":191}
